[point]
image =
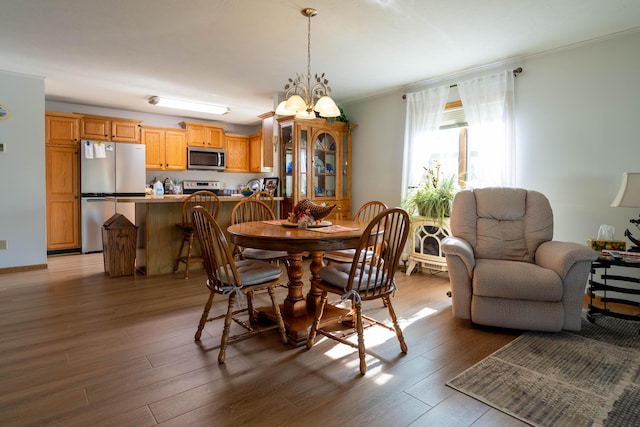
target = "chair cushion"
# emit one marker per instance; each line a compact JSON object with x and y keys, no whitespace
{"x":502,"y":223}
{"x":345,"y":255}
{"x":255,"y":272}
{"x":338,"y":276}
{"x":263,"y":254}
{"x":516,"y":280}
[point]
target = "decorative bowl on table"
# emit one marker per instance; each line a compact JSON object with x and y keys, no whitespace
{"x":307,"y":213}
{"x":247,"y":193}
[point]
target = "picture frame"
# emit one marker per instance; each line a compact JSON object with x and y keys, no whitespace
{"x":4,"y":112}
{"x":270,"y":184}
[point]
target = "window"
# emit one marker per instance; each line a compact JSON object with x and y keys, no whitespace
{"x":478,"y":152}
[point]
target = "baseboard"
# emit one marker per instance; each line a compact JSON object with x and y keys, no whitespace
{"x":22,"y":268}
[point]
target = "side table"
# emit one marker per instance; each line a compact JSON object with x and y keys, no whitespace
{"x":611,"y":288}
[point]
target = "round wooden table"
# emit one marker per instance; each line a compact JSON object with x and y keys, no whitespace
{"x":297,"y":310}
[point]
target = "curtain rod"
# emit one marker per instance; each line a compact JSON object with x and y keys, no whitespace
{"x":515,"y":72}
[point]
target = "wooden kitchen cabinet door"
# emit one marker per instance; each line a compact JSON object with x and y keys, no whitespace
{"x":154,"y":141}
{"x":62,"y":129}
{"x":175,"y":149}
{"x":237,"y":147}
{"x":62,"y":197}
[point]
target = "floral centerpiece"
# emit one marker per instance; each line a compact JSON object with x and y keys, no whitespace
{"x":434,"y":195}
{"x":306,"y":213}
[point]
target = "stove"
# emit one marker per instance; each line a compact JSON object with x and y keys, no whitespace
{"x":190,"y":187}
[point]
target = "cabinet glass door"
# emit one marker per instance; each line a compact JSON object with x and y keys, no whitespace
{"x":287,"y":157}
{"x":344,"y":156}
{"x":324,"y":165}
{"x":302,"y":165}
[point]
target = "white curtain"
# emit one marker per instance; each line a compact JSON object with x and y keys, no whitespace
{"x":424,"y":114}
{"x":488,"y":106}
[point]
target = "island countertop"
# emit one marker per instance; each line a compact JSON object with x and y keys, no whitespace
{"x":159,"y":238}
{"x":173,"y":198}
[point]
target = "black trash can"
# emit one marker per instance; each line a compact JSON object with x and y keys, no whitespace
{"x":119,"y":240}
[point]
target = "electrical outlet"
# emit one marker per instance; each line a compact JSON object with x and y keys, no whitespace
{"x":4,"y":245}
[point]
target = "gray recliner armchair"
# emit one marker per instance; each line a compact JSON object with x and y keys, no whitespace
{"x":505,"y":269}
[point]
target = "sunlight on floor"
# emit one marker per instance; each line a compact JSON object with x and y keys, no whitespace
{"x":375,"y":335}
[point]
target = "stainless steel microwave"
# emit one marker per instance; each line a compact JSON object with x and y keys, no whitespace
{"x":206,"y":158}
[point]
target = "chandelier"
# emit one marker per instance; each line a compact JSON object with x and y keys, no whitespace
{"x":302,"y":99}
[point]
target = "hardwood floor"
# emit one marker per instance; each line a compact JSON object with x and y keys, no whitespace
{"x":81,"y":349}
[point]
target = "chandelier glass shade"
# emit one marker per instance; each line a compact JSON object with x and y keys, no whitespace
{"x":304,"y":99}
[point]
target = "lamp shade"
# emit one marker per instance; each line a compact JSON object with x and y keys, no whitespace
{"x":629,"y":193}
{"x":327,"y":107}
{"x":295,"y":103}
{"x":305,"y":115}
{"x":282,"y":111}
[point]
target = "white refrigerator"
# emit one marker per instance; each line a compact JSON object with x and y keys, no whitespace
{"x":108,"y":169}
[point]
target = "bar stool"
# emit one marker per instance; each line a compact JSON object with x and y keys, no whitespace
{"x":211,"y":203}
{"x":265,"y":197}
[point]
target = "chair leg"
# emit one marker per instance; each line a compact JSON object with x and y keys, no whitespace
{"x":396,"y":326}
{"x":204,"y":317}
{"x":224,"y":341}
{"x":188,"y":262}
{"x":276,"y":312}
{"x":360,"y":330}
{"x":316,"y":319}
{"x":252,"y":314}
{"x":177,"y":263}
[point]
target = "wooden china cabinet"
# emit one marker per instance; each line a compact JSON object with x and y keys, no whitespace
{"x":315,"y":163}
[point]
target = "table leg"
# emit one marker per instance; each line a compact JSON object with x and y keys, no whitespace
{"x":313,"y":297}
{"x":295,"y":304}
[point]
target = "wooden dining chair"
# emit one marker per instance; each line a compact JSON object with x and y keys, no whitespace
{"x":235,"y":280}
{"x":365,"y":214}
{"x":368,"y":278}
{"x":211,"y":203}
{"x":255,"y":210}
{"x":266,"y":197}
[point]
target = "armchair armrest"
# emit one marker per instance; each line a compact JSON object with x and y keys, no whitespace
{"x":561,"y":256}
{"x":457,"y":247}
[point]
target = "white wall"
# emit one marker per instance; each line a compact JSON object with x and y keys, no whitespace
{"x":22,"y":171}
{"x":576,"y":132}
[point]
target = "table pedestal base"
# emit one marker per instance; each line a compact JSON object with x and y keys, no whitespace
{"x":298,"y":326}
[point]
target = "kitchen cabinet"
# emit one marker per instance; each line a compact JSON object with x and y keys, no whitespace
{"x":62,"y":129}
{"x":262,"y":147}
{"x":315,"y":163}
{"x":255,"y":153}
{"x":110,"y":129}
{"x":204,"y":135}
{"x":62,"y":197}
{"x":237,"y":148}
{"x":166,"y":148}
{"x":62,"y":172}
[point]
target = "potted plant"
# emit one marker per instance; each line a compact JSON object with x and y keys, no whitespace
{"x":433,"y":196}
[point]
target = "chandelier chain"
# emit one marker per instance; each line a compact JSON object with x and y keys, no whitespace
{"x":309,"y":49}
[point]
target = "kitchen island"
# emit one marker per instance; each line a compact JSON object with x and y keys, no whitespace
{"x":159,"y":238}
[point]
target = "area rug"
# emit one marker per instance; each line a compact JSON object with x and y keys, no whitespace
{"x":586,"y":378}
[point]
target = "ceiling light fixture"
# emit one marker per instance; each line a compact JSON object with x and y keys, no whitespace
{"x":301,"y":98}
{"x":188,"y":105}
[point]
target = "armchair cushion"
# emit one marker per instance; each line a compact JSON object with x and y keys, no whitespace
{"x":516,"y":280}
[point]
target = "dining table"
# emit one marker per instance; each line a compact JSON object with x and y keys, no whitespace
{"x":280,"y":235}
